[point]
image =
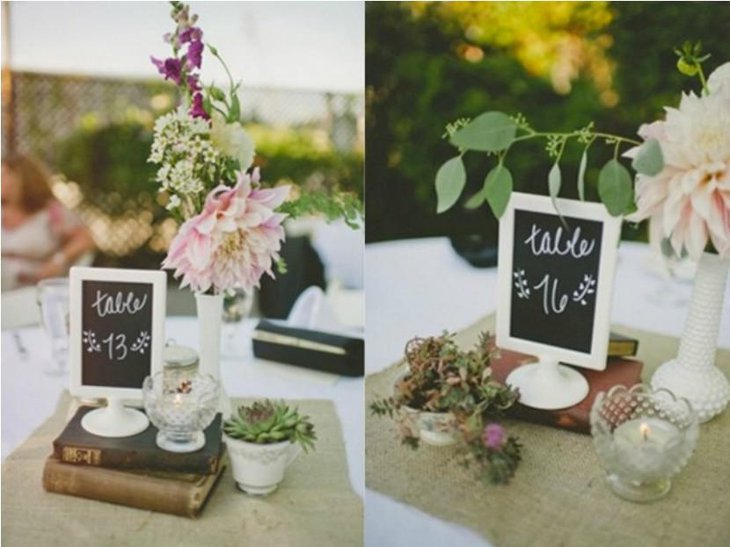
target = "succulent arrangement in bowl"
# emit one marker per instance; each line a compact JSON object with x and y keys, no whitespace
{"x":263,"y":439}
{"x":268,"y":422}
{"x":448,"y":396}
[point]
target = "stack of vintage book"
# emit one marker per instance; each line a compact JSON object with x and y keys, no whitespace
{"x":133,"y":471}
{"x":621,"y":368}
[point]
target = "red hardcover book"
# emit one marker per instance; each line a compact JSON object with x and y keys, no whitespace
{"x":619,"y":370}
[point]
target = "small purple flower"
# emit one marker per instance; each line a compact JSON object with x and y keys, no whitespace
{"x":197,"y":110}
{"x":195,"y":53}
{"x":193,"y":83}
{"x":494,"y":436}
{"x":190,"y":34}
{"x":169,"y":68}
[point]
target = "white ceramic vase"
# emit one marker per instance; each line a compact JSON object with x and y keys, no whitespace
{"x":210,"y":316}
{"x":693,"y":374}
{"x":259,"y":468}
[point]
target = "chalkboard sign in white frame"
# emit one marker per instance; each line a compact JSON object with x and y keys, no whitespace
{"x":115,"y":420}
{"x":547,"y":384}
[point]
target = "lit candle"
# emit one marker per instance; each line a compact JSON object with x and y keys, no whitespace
{"x":643,"y":444}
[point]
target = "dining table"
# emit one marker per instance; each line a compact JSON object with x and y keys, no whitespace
{"x":421,"y":287}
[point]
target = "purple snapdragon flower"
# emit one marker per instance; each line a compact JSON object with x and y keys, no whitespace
{"x":494,"y":436}
{"x":196,"y":109}
{"x":170,"y":68}
{"x":190,"y":34}
{"x":195,"y":53}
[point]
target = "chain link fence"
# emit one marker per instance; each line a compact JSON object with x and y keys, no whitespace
{"x":95,"y":134}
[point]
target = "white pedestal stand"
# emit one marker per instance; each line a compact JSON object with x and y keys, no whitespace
{"x":548,"y":385}
{"x":115,"y":420}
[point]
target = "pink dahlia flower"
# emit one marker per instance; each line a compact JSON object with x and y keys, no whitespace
{"x":688,"y":202}
{"x":233,"y":241}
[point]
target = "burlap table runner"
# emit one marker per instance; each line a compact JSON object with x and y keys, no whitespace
{"x":314,"y":506}
{"x":558,"y":496}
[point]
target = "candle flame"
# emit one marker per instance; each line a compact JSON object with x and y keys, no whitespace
{"x":644,"y":429}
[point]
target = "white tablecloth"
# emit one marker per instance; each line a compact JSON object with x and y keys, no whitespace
{"x":29,"y":396}
{"x":421,"y":287}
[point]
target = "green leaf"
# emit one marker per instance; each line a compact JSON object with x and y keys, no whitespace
{"x":554,"y":182}
{"x":207,"y":106}
{"x":235,"y":112}
{"x":216,"y":93}
{"x":582,"y":175}
{"x":649,"y":160}
{"x":476,"y":200}
{"x":498,"y":189}
{"x":614,"y":187}
{"x":450,"y":181}
{"x":488,"y":132}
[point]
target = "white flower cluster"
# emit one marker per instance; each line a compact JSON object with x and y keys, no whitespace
{"x":182,"y":146}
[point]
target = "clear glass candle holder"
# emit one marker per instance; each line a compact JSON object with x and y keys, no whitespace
{"x":643,"y":437}
{"x":180,"y":412}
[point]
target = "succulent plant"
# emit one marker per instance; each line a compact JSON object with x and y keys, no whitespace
{"x":268,"y":422}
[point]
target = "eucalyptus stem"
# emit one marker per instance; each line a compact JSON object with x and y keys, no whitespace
{"x":572,"y":134}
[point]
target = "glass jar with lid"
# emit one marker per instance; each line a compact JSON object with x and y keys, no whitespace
{"x":181,"y":364}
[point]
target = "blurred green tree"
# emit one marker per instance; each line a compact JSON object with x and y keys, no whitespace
{"x":562,"y":64}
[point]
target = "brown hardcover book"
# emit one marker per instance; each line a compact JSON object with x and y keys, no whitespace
{"x":619,"y":370}
{"x":182,"y":494}
{"x":622,"y":346}
{"x":75,"y":445}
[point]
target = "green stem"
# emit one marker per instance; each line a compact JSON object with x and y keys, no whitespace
{"x":225,"y":66}
{"x":572,"y":134}
{"x":703,"y":80}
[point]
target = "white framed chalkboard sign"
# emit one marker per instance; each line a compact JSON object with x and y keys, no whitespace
{"x":555,"y":289}
{"x":116,"y":338}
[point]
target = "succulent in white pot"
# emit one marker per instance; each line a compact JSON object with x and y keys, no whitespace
{"x":263,"y":439}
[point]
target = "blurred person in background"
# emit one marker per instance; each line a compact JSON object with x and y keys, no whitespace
{"x":40,"y":237}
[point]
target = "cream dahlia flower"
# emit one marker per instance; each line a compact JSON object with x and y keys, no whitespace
{"x":689,"y":200}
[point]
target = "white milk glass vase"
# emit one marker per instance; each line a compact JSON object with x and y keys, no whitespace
{"x":210,"y":316}
{"x":693,"y":374}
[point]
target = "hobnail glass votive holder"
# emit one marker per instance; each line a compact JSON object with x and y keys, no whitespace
{"x":643,"y":437}
{"x":180,"y":412}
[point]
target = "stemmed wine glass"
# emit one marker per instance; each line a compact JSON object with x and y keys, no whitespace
{"x":237,"y":306}
{"x":53,"y":301}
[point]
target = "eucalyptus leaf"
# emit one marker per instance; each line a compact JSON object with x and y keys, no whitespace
{"x":498,"y":189}
{"x":476,"y":200}
{"x":450,"y":181}
{"x":554,"y":183}
{"x":614,"y":187}
{"x":582,"y":175}
{"x":488,"y":132}
{"x":649,"y":160}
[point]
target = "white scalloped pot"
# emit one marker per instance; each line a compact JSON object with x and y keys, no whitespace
{"x":259,"y":468}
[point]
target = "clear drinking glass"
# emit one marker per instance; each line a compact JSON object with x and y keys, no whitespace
{"x":236,"y":307}
{"x":52,"y":297}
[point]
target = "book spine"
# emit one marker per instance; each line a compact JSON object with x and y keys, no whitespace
{"x":132,"y":459}
{"x":142,"y":492}
{"x":623,"y":348}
